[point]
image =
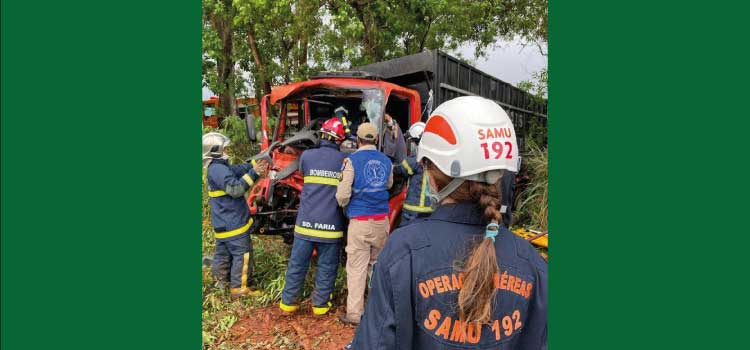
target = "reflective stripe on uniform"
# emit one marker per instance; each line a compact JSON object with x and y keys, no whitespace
{"x":217,"y":193}
{"x":234,"y":232}
{"x":245,"y":263}
{"x":248,"y":179}
{"x":417,"y":209}
{"x":346,"y":125}
{"x":422,"y":190}
{"x":321,"y":180}
{"x":408,"y":168}
{"x":253,"y":162}
{"x":318,"y":233}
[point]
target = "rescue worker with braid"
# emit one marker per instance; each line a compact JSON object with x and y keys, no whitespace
{"x":417,"y":202}
{"x":459,"y":279}
{"x":230,"y":216}
{"x":320,"y":222}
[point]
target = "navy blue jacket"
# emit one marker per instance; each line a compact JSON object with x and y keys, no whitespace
{"x":412,"y":303}
{"x":320,"y":219}
{"x":416,"y":193}
{"x":230,"y":216}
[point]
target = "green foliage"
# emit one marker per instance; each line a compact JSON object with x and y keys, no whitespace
{"x":295,"y":38}
{"x":374,"y":30}
{"x":235,"y":129}
{"x":271,"y":258}
{"x":223,"y":47}
{"x":538,"y":84}
{"x":532,"y":203}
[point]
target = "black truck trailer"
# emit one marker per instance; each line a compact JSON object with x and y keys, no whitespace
{"x":439,"y":77}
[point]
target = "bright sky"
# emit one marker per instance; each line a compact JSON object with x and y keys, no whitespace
{"x":508,"y":60}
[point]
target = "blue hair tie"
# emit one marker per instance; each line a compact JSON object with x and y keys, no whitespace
{"x":492,"y":230}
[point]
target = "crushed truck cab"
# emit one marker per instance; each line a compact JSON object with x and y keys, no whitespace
{"x":407,"y":88}
{"x":298,"y":110}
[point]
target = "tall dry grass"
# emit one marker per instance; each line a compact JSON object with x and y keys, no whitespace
{"x":533,"y":201}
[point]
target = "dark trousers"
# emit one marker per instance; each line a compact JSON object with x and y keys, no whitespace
{"x":299,"y":262}
{"x":233,"y":262}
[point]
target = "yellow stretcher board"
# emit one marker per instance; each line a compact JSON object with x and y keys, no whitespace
{"x":542,"y":241}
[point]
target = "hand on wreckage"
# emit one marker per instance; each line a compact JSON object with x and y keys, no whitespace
{"x":389,"y":121}
{"x":261,"y":167}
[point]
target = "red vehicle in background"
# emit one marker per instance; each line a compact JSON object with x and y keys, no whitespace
{"x":301,"y":108}
{"x":244,"y":107}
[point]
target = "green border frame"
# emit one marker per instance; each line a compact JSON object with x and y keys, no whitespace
{"x":101,"y":203}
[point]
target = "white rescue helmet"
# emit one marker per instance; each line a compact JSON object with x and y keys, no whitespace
{"x":415,"y":131}
{"x":469,"y":138}
{"x":213,"y":146}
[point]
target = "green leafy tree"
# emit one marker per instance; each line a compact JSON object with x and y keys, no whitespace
{"x":279,"y":41}
{"x":385,"y":29}
{"x":537,"y":85}
{"x":219,"y":53}
{"x":282,"y":38}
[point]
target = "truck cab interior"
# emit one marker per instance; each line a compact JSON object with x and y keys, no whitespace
{"x":322,"y":103}
{"x":398,"y":108}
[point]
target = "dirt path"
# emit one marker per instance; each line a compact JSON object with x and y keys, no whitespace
{"x":270,"y":328}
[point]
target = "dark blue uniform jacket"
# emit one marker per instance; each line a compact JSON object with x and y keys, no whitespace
{"x":412,"y":303}
{"x":320,"y":219}
{"x":416,"y":199}
{"x":230,"y":216}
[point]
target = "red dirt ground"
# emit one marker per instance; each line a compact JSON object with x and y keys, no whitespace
{"x":270,"y":328}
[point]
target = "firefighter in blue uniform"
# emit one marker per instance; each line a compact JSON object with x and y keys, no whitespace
{"x":341,"y":113}
{"x":230,"y":216}
{"x":366,"y":176}
{"x":320,"y":222}
{"x":497,"y":298}
{"x":349,"y":144}
{"x":417,"y":203}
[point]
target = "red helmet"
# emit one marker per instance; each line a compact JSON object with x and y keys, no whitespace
{"x":334,"y":128}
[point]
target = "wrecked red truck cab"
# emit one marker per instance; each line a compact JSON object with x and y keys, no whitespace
{"x":292,"y":114}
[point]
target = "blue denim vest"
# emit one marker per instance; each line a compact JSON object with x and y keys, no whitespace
{"x":370,"y":188}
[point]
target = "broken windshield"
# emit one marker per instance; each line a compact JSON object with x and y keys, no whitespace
{"x":372,"y":104}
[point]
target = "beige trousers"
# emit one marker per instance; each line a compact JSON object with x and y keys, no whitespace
{"x":365,"y":239}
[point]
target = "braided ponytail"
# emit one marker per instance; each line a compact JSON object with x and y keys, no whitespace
{"x":478,"y":291}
